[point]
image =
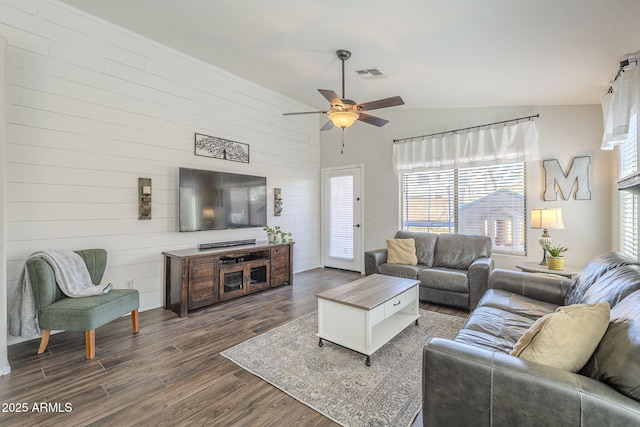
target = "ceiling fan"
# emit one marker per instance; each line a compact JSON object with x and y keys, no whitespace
{"x":344,"y":112}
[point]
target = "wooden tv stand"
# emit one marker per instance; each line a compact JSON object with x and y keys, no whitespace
{"x":197,"y":278}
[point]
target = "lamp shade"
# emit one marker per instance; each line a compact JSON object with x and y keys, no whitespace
{"x":546,"y":218}
{"x":343,"y":119}
{"x":208,"y":213}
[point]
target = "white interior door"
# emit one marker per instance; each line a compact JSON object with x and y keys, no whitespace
{"x":342,"y":218}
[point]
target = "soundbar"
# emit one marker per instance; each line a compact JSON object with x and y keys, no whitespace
{"x":214,"y":245}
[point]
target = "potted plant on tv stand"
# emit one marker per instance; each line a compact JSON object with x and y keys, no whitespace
{"x":276,"y":234}
{"x":285,"y":237}
{"x":555,"y":260}
{"x":272,"y":233}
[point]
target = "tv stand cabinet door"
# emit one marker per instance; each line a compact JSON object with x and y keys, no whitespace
{"x":281,"y":265}
{"x":233,"y":281}
{"x":203,"y":281}
{"x":258,"y":275}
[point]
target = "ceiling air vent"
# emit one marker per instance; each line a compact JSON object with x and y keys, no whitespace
{"x":372,"y":73}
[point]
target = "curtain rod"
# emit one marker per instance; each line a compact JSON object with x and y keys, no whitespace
{"x":469,"y":128}
{"x":623,"y":64}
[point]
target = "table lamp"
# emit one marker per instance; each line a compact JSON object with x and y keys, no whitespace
{"x":545,"y":219}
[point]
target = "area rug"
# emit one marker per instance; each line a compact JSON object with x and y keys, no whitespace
{"x":335,"y":381}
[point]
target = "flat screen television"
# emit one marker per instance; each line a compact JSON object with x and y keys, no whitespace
{"x":212,"y":200}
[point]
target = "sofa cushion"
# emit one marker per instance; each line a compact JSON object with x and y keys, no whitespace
{"x":400,"y":270}
{"x":592,"y":272}
{"x":425,"y":245}
{"x":444,"y":279}
{"x":459,"y":251}
{"x":501,"y":318}
{"x":566,"y":338}
{"x":614,"y":285}
{"x":616,"y":361}
{"x":87,"y":313}
{"x":517,"y":304}
{"x":401,"y":251}
{"x":493,"y":328}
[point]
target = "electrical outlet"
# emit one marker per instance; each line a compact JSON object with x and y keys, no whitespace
{"x":128,"y":284}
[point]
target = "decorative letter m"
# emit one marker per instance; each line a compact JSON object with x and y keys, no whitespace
{"x":578,"y":175}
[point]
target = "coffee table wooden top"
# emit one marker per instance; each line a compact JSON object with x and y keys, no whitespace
{"x":368,"y":292}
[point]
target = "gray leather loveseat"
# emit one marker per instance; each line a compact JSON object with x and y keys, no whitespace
{"x":472,"y":379}
{"x":453,"y":269}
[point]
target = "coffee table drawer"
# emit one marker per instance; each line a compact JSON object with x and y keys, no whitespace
{"x":399,"y":302}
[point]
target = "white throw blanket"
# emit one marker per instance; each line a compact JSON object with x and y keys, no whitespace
{"x":71,"y":276}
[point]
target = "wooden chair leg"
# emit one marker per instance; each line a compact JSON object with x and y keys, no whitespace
{"x":90,"y":343}
{"x":135,"y":323}
{"x":44,"y":341}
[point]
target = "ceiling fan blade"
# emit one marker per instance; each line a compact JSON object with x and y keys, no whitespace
{"x":376,"y":121}
{"x":331,"y":96}
{"x":327,"y":126}
{"x":381,"y":103}
{"x":304,"y":112}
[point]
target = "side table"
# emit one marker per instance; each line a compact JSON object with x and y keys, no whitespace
{"x":568,"y":271}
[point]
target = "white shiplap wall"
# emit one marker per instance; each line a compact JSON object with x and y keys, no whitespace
{"x":91,"y":107}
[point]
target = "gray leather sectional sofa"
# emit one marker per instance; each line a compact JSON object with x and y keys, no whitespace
{"x":472,"y":379}
{"x":453,"y":269}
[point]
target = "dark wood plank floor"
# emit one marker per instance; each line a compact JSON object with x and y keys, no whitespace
{"x":171,"y":373}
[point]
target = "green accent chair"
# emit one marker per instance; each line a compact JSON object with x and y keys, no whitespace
{"x":56,"y":311}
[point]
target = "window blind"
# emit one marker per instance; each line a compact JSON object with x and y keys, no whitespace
{"x":628,"y":164}
{"x":484,"y":200}
{"x":341,"y":217}
{"x":428,"y":201}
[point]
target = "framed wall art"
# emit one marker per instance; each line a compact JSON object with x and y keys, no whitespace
{"x":220,"y":148}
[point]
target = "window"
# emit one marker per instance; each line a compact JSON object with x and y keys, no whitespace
{"x":341,"y":217}
{"x":628,"y":164}
{"x":486,"y":200}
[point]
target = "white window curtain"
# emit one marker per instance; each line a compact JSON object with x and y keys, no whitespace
{"x":497,"y":144}
{"x":620,"y":106}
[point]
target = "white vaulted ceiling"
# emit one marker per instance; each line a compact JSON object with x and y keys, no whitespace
{"x":437,"y":53}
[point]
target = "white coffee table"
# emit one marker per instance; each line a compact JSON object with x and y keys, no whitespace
{"x":365,"y":314}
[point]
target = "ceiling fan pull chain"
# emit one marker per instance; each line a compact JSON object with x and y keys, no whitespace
{"x":342,"y":149}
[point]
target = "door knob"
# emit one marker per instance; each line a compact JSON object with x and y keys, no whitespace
{"x":357,"y":225}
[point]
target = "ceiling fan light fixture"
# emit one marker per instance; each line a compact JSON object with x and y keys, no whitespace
{"x":344,"y":112}
{"x":343,"y":119}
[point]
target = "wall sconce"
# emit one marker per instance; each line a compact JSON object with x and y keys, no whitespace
{"x":144,"y":198}
{"x":277,"y":201}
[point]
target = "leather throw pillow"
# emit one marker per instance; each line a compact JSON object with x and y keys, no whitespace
{"x":616,"y":360}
